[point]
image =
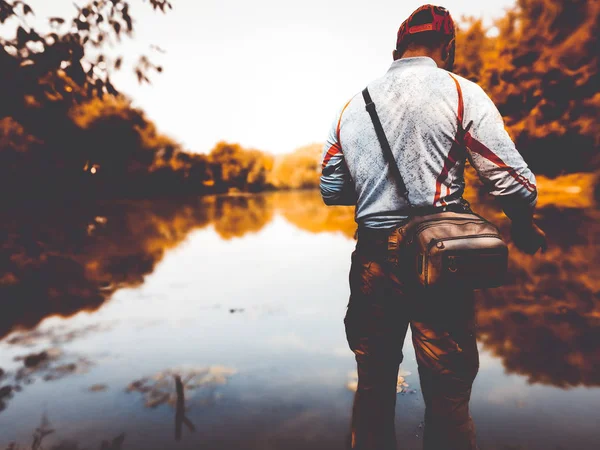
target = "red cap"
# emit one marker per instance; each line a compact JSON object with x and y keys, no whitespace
{"x":426,"y":18}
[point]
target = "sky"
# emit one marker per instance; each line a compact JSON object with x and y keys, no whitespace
{"x":267,"y":74}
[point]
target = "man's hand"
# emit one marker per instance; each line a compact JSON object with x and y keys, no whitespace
{"x":529,"y":238}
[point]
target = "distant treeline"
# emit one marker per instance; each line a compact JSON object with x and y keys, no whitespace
{"x":107,"y":149}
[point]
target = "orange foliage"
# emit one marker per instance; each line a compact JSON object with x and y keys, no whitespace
{"x":542,"y":72}
{"x":545,"y":321}
{"x":235,"y":216}
{"x":574,"y":190}
{"x":60,"y":260}
{"x":298,"y":170}
{"x":239,"y":168}
{"x":306,"y":210}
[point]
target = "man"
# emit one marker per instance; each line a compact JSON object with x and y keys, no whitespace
{"x":421,"y":105}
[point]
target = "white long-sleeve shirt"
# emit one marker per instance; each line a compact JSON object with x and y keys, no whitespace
{"x":420,"y":107}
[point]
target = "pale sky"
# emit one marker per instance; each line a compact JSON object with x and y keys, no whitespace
{"x":268,"y":74}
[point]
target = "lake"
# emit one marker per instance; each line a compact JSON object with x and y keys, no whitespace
{"x":216,"y":323}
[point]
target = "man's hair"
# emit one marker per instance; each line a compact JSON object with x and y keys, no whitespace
{"x":426,"y":39}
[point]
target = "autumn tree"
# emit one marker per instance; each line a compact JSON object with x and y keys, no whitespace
{"x":68,"y":60}
{"x":299,"y":169}
{"x":475,"y":49}
{"x":541,"y":70}
{"x":240,"y":168}
{"x":61,"y":118}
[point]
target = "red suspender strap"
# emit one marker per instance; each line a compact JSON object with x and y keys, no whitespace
{"x":457,"y":145}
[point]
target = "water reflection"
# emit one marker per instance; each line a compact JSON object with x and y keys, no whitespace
{"x":171,"y":386}
{"x":545,"y":324}
{"x":51,"y":364}
{"x":63,"y":260}
{"x":45,"y":429}
{"x":233,"y":217}
{"x":164,"y":387}
{"x":41,"y":433}
{"x":55,"y":336}
{"x":180,"y":416}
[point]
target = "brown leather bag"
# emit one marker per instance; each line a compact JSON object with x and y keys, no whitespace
{"x":457,"y":248}
{"x":451,"y":248}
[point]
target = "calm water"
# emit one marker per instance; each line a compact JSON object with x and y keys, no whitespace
{"x":241,"y":299}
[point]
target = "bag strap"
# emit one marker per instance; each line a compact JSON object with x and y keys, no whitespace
{"x":385,"y":145}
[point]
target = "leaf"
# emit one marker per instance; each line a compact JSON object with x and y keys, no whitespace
{"x":27,"y":9}
{"x":128,"y":21}
{"x":35,"y":37}
{"x":76,"y":73}
{"x":110,"y":88}
{"x":118,"y":63}
{"x":139,"y":75}
{"x":81,"y":25}
{"x":58,"y":20}
{"x":77,"y":52}
{"x":6,"y":11}
{"x":99,"y":88}
{"x":22,"y":36}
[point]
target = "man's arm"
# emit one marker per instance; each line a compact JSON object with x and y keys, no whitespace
{"x":503,"y":170}
{"x":337,"y":187}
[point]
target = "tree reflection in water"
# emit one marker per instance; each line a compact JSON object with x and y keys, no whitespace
{"x":45,"y":430}
{"x":164,"y":388}
{"x":62,"y":261}
{"x":545,"y":324}
{"x":180,"y":417}
{"x":50,"y":364}
{"x":170,"y":387}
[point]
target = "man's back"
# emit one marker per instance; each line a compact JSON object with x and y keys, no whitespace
{"x":422,"y":108}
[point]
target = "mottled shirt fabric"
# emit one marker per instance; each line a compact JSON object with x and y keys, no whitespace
{"x":422,"y":109}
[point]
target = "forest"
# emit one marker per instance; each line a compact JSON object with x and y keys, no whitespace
{"x":67,"y":132}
